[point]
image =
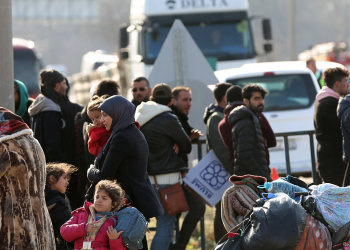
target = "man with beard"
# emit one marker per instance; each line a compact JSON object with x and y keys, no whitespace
{"x":140,"y":90}
{"x":248,"y":140}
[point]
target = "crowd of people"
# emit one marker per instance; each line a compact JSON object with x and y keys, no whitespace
{"x":65,"y":169}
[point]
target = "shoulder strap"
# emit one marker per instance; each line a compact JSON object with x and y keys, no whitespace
{"x":155,"y":181}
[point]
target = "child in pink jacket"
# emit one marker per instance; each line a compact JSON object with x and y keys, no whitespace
{"x":92,"y":226}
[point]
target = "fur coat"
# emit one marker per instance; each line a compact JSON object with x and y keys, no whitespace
{"x":24,"y":220}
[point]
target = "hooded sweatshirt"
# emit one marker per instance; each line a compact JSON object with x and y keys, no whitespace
{"x":326,"y":92}
{"x":48,"y":126}
{"x":147,"y":110}
{"x":329,"y":137}
{"x":162,"y":129}
{"x":343,"y":113}
{"x":211,"y":109}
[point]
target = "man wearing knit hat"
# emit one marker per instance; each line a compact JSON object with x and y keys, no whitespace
{"x":166,"y":140}
{"x":47,"y":121}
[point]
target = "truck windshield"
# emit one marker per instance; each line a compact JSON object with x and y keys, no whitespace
{"x":286,"y":92}
{"x":27,"y":69}
{"x":222,"y":36}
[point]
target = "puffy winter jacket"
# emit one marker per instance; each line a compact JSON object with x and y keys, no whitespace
{"x":162,"y":130}
{"x":74,"y":229}
{"x":225,"y":131}
{"x":248,"y":143}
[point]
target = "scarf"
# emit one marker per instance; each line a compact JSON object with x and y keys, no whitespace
{"x":10,"y":123}
{"x":23,"y":98}
{"x":50,"y":93}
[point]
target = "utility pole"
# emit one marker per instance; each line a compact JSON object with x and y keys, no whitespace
{"x":6,"y":56}
{"x":292,"y":55}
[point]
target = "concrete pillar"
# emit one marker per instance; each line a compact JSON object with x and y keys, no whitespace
{"x":6,"y":56}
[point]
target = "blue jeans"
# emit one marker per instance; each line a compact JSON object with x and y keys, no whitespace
{"x":165,"y":228}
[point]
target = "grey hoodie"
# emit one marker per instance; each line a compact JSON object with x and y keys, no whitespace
{"x":41,"y":104}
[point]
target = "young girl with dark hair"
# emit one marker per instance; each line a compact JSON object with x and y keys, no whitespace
{"x":92,"y":226}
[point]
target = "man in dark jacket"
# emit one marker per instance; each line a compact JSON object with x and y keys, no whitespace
{"x":140,"y":90}
{"x":248,"y":141}
{"x":212,"y":116}
{"x":181,"y":108}
{"x":166,"y":139}
{"x":328,"y":128}
{"x":234,"y":99}
{"x":48,"y":123}
{"x":344,"y":116}
{"x":69,"y":110}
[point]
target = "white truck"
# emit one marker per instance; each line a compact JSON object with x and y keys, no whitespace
{"x":289,"y":105}
{"x":220,"y":28}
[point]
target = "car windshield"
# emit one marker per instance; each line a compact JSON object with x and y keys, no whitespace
{"x":286,"y":92}
{"x":219,"y":39}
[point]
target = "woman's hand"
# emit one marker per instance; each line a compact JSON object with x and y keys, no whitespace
{"x":91,"y":227}
{"x":113,"y":234}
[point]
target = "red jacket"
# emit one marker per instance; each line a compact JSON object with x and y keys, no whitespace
{"x":98,"y":137}
{"x":225,"y":131}
{"x":74,"y":229}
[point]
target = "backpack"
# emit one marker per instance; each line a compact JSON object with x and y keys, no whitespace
{"x":134,"y":225}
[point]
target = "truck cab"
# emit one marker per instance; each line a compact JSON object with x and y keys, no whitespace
{"x":220,"y":28}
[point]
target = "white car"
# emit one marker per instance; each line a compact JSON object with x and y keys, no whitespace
{"x":289,"y":105}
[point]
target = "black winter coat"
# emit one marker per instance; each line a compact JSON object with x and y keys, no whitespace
{"x":343,"y":113}
{"x":69,"y":111}
{"x":329,"y":138}
{"x":162,"y":132}
{"x":186,"y":126}
{"x":60,"y":213}
{"x":125,"y":159}
{"x":49,"y":130}
{"x":248,"y":143}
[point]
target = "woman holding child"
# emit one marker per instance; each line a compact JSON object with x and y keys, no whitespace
{"x":124,"y":157}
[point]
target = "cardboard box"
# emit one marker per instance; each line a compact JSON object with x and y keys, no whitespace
{"x":209,"y":179}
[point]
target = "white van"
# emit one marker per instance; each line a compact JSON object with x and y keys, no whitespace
{"x":289,"y":105}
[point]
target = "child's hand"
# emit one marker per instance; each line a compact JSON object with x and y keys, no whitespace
{"x":91,"y":227}
{"x":113,"y":234}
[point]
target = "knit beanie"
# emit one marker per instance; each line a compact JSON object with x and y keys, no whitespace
{"x":49,"y":79}
{"x":234,"y":94}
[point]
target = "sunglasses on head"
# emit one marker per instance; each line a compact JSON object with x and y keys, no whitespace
{"x":140,"y":89}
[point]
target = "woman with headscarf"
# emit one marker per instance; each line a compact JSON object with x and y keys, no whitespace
{"x":22,"y":101}
{"x":24,"y":220}
{"x":124,"y":157}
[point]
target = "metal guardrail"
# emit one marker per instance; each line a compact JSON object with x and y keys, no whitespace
{"x":310,"y":133}
{"x":285,"y":136}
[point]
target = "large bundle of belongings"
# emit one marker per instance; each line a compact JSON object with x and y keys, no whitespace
{"x":285,"y":214}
